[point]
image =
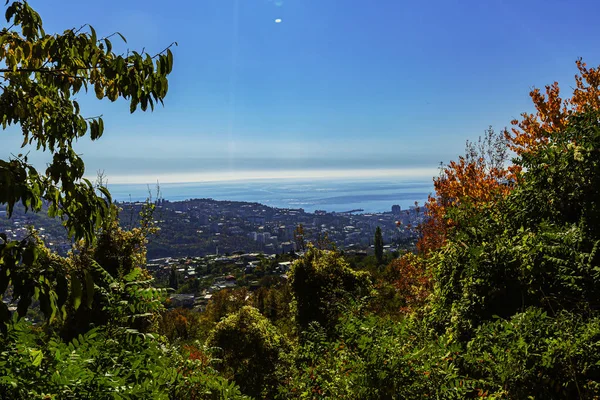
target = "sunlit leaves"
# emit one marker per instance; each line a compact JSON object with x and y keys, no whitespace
{"x":41,"y":76}
{"x":322,"y":284}
{"x":552,"y":111}
{"x":412,"y":280}
{"x":477,"y":178}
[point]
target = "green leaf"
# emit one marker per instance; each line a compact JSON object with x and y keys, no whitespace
{"x":100,"y":127}
{"x":93,"y":38}
{"x":89,"y":289}
{"x":108,"y":46}
{"x":36,"y":357}
{"x":76,"y":291}
{"x":122,"y":37}
{"x":169,"y":61}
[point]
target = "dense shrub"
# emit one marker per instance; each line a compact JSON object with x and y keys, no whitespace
{"x":250,"y":348}
{"x":533,"y":354}
{"x":102,"y":364}
{"x":322,"y":285}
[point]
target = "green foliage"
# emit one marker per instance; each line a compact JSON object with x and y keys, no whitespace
{"x":101,"y":364}
{"x":322,"y":285}
{"x":40,"y":276}
{"x":531,"y":355}
{"x":251,"y":348}
{"x":41,"y":75}
{"x":375,"y":358}
{"x":225,"y":302}
{"x":534,"y":355}
{"x":109,"y":283}
{"x":537,"y":247}
{"x":275,"y":304}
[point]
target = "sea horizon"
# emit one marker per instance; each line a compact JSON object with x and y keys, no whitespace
{"x":328,"y":192}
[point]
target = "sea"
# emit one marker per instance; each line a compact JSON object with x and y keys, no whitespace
{"x":339,"y":195}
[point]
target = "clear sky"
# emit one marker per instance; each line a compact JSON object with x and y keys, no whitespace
{"x":334,"y":85}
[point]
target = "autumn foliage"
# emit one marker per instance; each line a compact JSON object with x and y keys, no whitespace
{"x":411,"y":280}
{"x":477,"y":178}
{"x":481,"y":176}
{"x":484,"y":175}
{"x":552,"y":111}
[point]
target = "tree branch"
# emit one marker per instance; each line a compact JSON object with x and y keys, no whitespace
{"x":166,"y":48}
{"x":96,"y":117}
{"x":55,"y":72}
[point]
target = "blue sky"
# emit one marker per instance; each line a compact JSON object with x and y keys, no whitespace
{"x":337,"y":85}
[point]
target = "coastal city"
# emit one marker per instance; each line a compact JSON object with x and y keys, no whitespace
{"x":203,"y":226}
{"x":202,"y":246}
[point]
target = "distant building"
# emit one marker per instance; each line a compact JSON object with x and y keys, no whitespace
{"x":396,"y":209}
{"x":182,"y":300}
{"x":256,"y":219}
{"x":286,"y":247}
{"x":284,"y":266}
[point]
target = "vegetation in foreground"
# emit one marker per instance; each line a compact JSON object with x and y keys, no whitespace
{"x":500,"y":299}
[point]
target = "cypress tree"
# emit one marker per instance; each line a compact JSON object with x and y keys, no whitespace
{"x":173,"y":283}
{"x":378,"y":246}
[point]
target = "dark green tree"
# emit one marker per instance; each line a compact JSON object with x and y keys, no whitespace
{"x":322,"y":285}
{"x":378,"y":245}
{"x":173,"y":282}
{"x":41,"y":75}
{"x":251,"y":350}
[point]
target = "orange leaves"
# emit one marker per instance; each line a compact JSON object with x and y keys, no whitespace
{"x":552,"y":112}
{"x":412,"y":280}
{"x":197,"y":354}
{"x":472,"y":180}
{"x":479,"y":178}
{"x":475,"y":180}
{"x":535,"y":129}
{"x":587,"y":91}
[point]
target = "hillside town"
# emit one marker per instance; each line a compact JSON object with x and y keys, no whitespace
{"x":203,"y":226}
{"x":203,"y":246}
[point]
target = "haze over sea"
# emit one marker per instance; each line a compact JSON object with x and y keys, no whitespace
{"x":375,"y":193}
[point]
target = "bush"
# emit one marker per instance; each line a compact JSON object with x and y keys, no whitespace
{"x":535,"y":355}
{"x":102,"y":364}
{"x":323,"y":285}
{"x":251,"y":349}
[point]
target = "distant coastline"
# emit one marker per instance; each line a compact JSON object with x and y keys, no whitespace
{"x":371,"y":195}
